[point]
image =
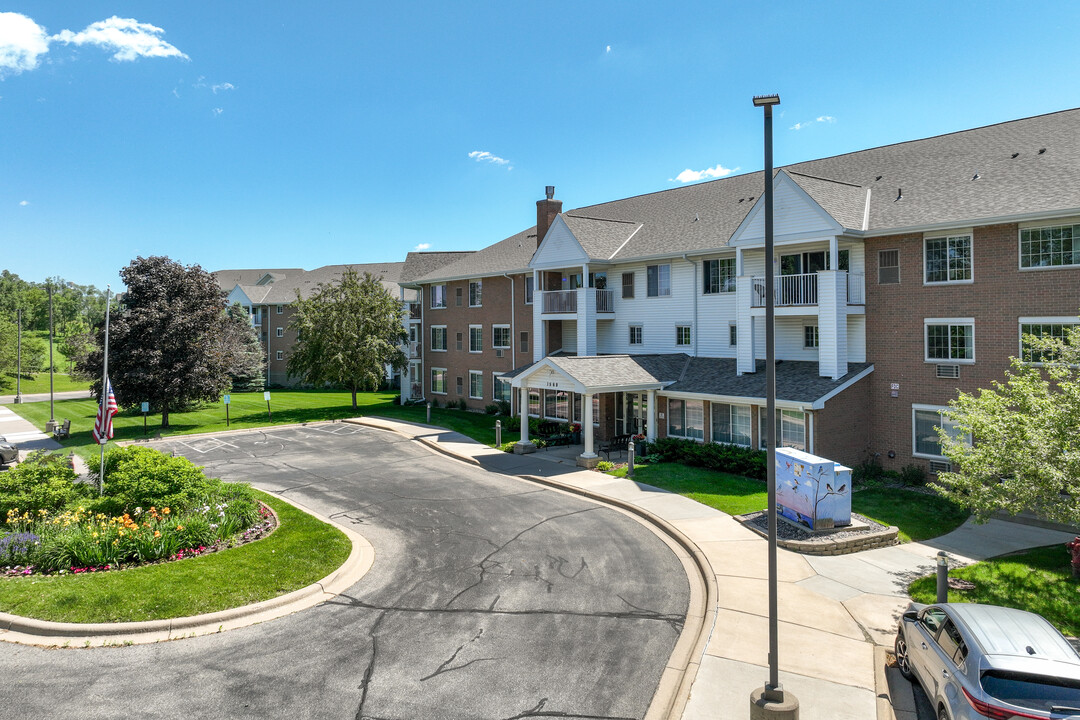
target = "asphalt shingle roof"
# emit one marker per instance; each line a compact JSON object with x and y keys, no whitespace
{"x":283,"y":290}
{"x":419,"y":264}
{"x":510,"y":255}
{"x":601,"y":239}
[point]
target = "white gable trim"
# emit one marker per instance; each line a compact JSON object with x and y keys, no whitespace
{"x":238,"y":295}
{"x":742,"y":236}
{"x":559,"y":237}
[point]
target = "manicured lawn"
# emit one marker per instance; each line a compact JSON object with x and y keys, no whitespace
{"x":40,"y":384}
{"x":248,"y":410}
{"x":917,"y":515}
{"x":301,"y":551}
{"x":1038,"y":580}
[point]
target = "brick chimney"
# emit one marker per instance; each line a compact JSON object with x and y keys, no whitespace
{"x":546,"y":210}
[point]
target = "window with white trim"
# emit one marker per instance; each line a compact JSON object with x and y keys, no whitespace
{"x":476,"y":384}
{"x":947,"y":259}
{"x":523,"y":341}
{"x":280,"y":309}
{"x":925,"y":421}
{"x":686,"y":418}
{"x":731,"y":424}
{"x":534,"y":403}
{"x":501,"y":389}
{"x":500,"y":336}
{"x":1054,"y":246}
{"x":438,"y":338}
{"x":279,"y":355}
{"x":628,"y":284}
{"x":810,"y":336}
{"x":888,"y":267}
{"x":280,"y":332}
{"x":682,"y":334}
{"x":718,"y":276}
{"x":475,"y":288}
{"x":529,"y":280}
{"x":1057,"y":328}
{"x":437,"y":294}
{"x":733,"y":334}
{"x":658,"y":280}
{"x":557,"y":404}
{"x":635,"y":334}
{"x":476,"y":338}
{"x":950,"y":340}
{"x":438,"y":380}
{"x":790,"y":429}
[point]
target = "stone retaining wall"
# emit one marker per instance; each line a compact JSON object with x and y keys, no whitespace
{"x":843,"y":546}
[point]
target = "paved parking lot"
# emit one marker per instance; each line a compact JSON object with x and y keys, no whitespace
{"x":490,"y":597}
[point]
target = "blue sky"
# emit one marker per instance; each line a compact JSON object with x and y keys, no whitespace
{"x":272,"y":134}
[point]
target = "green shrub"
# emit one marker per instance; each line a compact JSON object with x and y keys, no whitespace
{"x":462,"y":405}
{"x":867,"y":473}
{"x":605,"y":466}
{"x":504,"y":407}
{"x":491,"y":409}
{"x":913,"y":474}
{"x":143,"y":477}
{"x":713,"y":456}
{"x":41,"y":482}
{"x":512,"y":422}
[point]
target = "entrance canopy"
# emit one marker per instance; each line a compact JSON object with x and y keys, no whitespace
{"x":590,"y":375}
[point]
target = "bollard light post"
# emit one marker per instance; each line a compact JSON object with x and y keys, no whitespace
{"x":498,"y":433}
{"x":630,"y":459}
{"x":942,"y":576}
{"x":429,"y":413}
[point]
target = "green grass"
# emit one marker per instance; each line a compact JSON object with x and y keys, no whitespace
{"x":1038,"y":580}
{"x":248,"y":410}
{"x":301,"y":551}
{"x":918,"y":516}
{"x":40,"y":384}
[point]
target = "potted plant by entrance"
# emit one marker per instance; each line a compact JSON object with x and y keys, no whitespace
{"x":575,"y":431}
{"x":640,"y":446}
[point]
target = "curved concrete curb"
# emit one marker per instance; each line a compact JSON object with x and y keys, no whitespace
{"x":673,"y":691}
{"x":379,"y":424}
{"x":28,"y":631}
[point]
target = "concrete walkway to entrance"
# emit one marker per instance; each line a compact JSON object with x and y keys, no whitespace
{"x":837,"y":615}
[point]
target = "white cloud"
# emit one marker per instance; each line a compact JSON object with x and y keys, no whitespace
{"x":222,"y":87}
{"x":808,"y":123}
{"x":422,"y":246}
{"x":607,"y":49}
{"x":24,"y":203}
{"x":485,"y":156}
{"x":689,"y":175}
{"x":127,"y":38}
{"x":217,"y":111}
{"x":22,"y":42}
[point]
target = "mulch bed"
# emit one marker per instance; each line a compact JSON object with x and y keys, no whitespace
{"x":790,"y":531}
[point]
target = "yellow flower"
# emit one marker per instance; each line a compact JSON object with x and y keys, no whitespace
{"x":157,"y":534}
{"x":165,"y":511}
{"x":179,"y":527}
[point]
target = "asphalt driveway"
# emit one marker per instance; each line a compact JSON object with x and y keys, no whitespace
{"x":490,"y":597}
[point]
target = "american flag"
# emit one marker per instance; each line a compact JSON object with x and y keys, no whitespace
{"x":103,"y":430}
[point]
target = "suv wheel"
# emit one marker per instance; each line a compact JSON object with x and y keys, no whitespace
{"x":903,"y":661}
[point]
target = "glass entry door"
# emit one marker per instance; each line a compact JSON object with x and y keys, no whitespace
{"x":639,"y":413}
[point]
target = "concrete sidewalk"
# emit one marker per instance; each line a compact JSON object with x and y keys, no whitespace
{"x":23,"y":433}
{"x":837,"y":614}
{"x":44,"y":397}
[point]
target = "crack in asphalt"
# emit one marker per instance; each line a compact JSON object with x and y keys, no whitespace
{"x":538,"y":711}
{"x":445,"y":667}
{"x":370,"y":669}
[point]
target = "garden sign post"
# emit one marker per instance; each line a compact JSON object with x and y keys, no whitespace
{"x":145,"y":409}
{"x":227,"y":399}
{"x":266,"y":396}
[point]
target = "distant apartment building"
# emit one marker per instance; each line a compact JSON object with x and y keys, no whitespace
{"x":903,"y":274}
{"x":268,"y":296}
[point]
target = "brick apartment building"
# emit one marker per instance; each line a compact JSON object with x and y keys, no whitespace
{"x":904,"y":273}
{"x":268,"y":295}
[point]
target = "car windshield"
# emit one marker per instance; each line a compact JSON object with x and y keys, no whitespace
{"x":1037,"y":692}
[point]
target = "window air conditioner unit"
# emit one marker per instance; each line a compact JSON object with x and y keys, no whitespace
{"x":948,"y":371}
{"x":498,"y":353}
{"x":938,"y":466}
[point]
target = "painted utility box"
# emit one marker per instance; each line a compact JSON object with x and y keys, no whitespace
{"x":812,"y":491}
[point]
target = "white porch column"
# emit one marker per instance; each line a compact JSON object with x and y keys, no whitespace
{"x":832,"y":324}
{"x":523,"y":398}
{"x":539,"y":339}
{"x":587,"y":425}
{"x":834,"y":253}
{"x":651,"y":435}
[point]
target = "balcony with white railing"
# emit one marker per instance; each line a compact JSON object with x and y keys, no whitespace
{"x":796,"y":290}
{"x":414,"y":349}
{"x":558,"y":302}
{"x":605,"y":301}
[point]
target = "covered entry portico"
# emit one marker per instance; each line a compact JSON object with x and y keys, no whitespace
{"x":590,"y":377}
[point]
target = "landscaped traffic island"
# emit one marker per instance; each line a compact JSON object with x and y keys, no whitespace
{"x":163,"y":541}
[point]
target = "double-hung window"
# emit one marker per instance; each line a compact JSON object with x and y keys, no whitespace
{"x":947,"y":259}
{"x":502,"y":389}
{"x":500,"y":337}
{"x":476,"y":384}
{"x":658,"y":280}
{"x":475,"y":288}
{"x":628,"y":284}
{"x":950,"y":340}
{"x":1055,"y":246}
{"x":925,"y":421}
{"x":810,"y":336}
{"x":718,"y":275}
{"x":280,"y":332}
{"x":476,"y":338}
{"x":686,"y":418}
{"x":731,"y":424}
{"x":528,"y":289}
{"x":438,"y":380}
{"x":438,"y":296}
{"x":438,"y":337}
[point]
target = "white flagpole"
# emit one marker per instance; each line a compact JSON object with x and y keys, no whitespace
{"x":104,"y":392}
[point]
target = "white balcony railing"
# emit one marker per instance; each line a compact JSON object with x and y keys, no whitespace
{"x":802,"y":289}
{"x":560,"y":301}
{"x":856,"y":289}
{"x":605,"y":301}
{"x":414,"y":349}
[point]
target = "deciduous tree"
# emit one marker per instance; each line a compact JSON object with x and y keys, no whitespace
{"x":1025,"y":433}
{"x":348,"y":332}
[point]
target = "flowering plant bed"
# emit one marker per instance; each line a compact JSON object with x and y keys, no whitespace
{"x":300,"y":550}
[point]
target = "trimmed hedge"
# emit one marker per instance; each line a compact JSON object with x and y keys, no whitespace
{"x":712,"y":456}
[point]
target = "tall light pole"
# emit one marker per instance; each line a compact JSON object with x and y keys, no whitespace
{"x":771,"y":701}
{"x":52,"y":415}
{"x":18,"y":357}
